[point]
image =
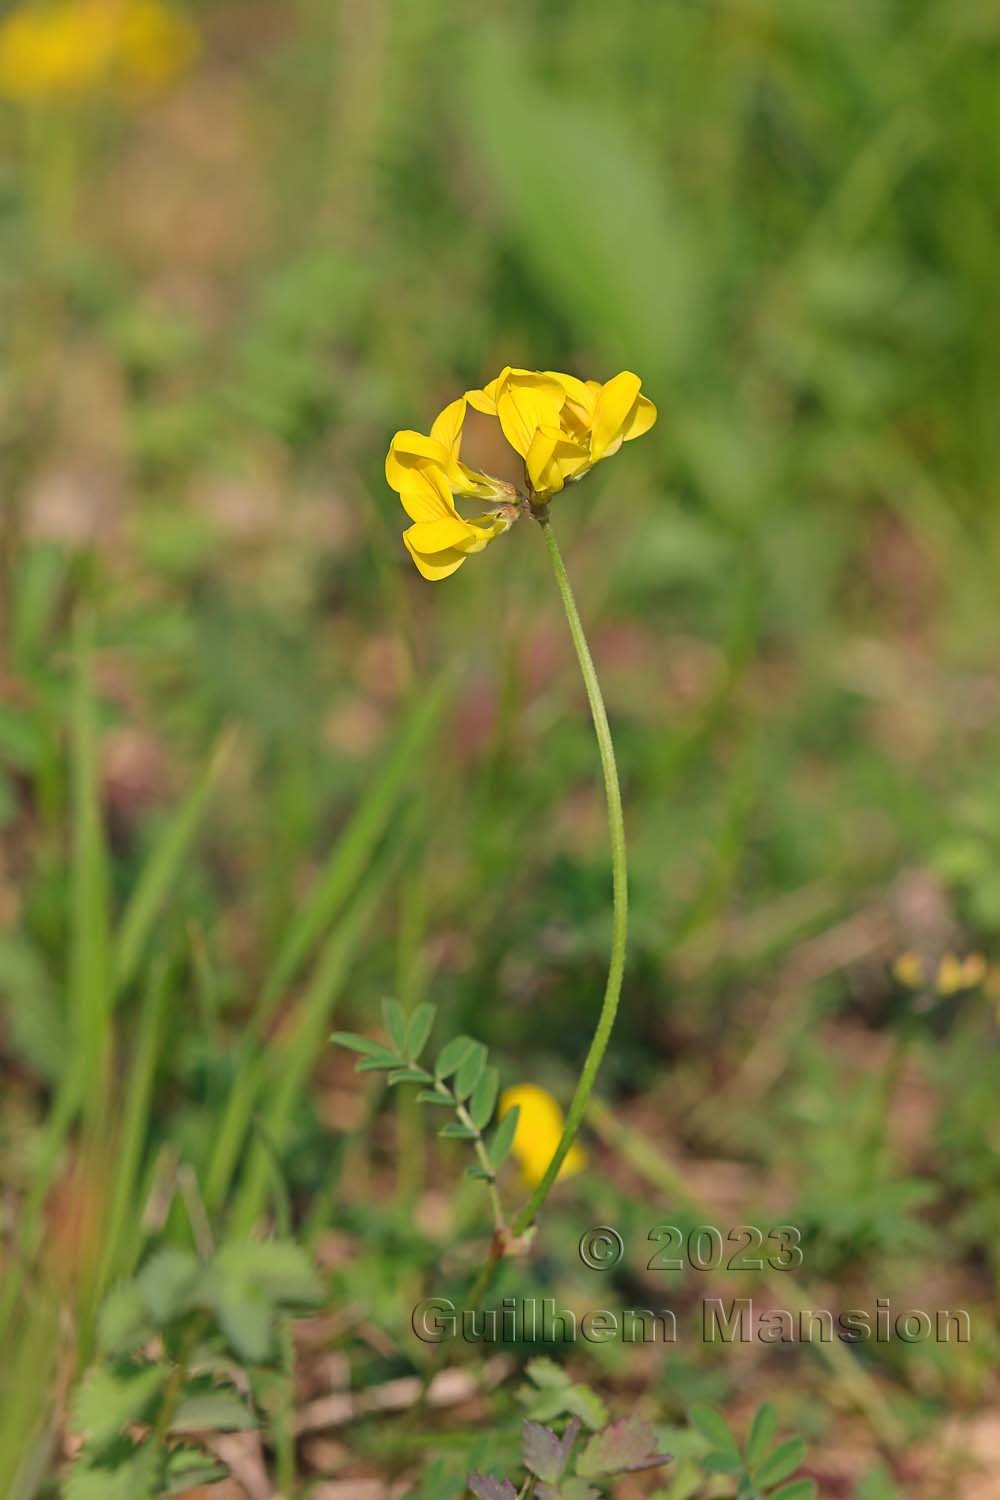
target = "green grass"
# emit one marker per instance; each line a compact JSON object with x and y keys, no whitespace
{"x":254,"y":772}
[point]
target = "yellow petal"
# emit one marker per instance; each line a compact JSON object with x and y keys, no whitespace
{"x":409,"y":451}
{"x":409,"y":444}
{"x":539,"y":1130}
{"x":439,"y":536}
{"x":447,"y":428}
{"x":542,"y":471}
{"x":436,"y":566}
{"x":425,"y":496}
{"x":486,"y":399}
{"x":552,"y":458}
{"x":438,"y":547}
{"x":526,"y":401}
{"x":612,"y":414}
{"x":641,"y":420}
{"x":577,"y":390}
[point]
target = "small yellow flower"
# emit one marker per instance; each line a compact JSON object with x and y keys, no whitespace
{"x":908,"y":969}
{"x":948,"y":976}
{"x":957,"y":974}
{"x":155,"y":45}
{"x":559,"y":425}
{"x":562,"y":426}
{"x":68,"y":48}
{"x":539,"y":1131}
{"x":427,"y":473}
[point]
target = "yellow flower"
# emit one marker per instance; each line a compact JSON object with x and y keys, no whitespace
{"x":956,"y":974}
{"x":562,"y":426}
{"x":949,"y":976}
{"x":427,"y":473}
{"x":908,"y":969}
{"x":156,"y":44}
{"x":539,"y":1131}
{"x":69,"y":48}
{"x":559,"y":425}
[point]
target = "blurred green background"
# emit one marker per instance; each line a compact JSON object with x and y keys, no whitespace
{"x":219,"y":300}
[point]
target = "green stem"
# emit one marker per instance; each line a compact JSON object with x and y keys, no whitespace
{"x":619,"y":881}
{"x":411,"y":985}
{"x":284,"y":1435}
{"x":479,"y":1146}
{"x":482,"y":1156}
{"x":875,"y":1138}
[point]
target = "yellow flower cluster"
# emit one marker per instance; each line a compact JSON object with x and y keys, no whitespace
{"x":539,"y":1131}
{"x":948,"y":976}
{"x":559,"y":425}
{"x":58,"y":49}
{"x":428,"y":474}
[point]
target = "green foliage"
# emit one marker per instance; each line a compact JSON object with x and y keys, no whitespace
{"x":622,"y":1447}
{"x":636,"y":294}
{"x":128,"y":1471}
{"x":205,"y":1407}
{"x":236,"y":806}
{"x":760,"y":1471}
{"x":503,"y":1137}
{"x":627,"y":1444}
{"x":452,"y":1055}
{"x":551,"y":1393}
{"x":877,"y":1485}
{"x":188,"y":1469}
{"x":760,"y":1468}
{"x":471,"y":1093}
{"x":110,"y":1399}
{"x":197,"y":1311}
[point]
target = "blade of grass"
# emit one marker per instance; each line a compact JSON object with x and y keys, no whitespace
{"x":280,"y":1195}
{"x":122,"y":1239}
{"x":206,"y":983}
{"x":26,"y":1399}
{"x":163,"y":866}
{"x":284,"y":1417}
{"x":57,"y":1126}
{"x":411,"y":987}
{"x":99,"y":970}
{"x":354,"y":848}
{"x":345,"y":865}
{"x":37,"y":583}
{"x":639,"y":296}
{"x":90,"y":934}
{"x":284,"y":1071}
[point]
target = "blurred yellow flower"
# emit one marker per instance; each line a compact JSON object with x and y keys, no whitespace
{"x":949,"y":975}
{"x":427,"y":473}
{"x":156,"y":43}
{"x":908,"y":969}
{"x":562,"y":426}
{"x":68,"y":48}
{"x":539,"y":1131}
{"x":956,"y":974}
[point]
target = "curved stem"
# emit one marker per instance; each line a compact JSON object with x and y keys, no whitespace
{"x":619,"y":880}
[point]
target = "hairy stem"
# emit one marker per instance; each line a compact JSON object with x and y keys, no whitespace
{"x":619,"y":882}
